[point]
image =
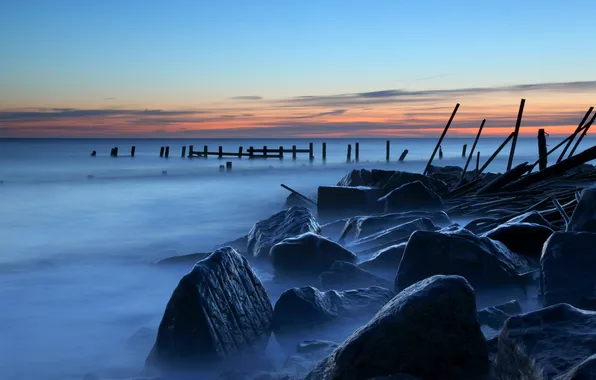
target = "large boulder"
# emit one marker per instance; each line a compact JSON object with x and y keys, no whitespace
{"x":495,"y":316}
{"x":522,"y":238}
{"x":387,"y":259}
{"x":308,"y":313}
{"x":482,"y":261}
{"x":332,"y":230}
{"x":585,"y":370}
{"x":335,"y":202}
{"x":356,"y":178}
{"x":265,"y":234}
{"x":219,"y":311}
{"x":344,"y":275}
{"x":567,"y":269}
{"x":430,"y":330}
{"x":399,"y":179}
{"x":308,"y":354}
{"x":307,"y":254}
{"x":555,"y":339}
{"x":413,"y":195}
{"x":533,"y":217}
{"x":370,"y":224}
{"x":391,"y":236}
{"x":584,"y":215}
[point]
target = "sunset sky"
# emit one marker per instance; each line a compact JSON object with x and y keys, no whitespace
{"x":280,"y":68}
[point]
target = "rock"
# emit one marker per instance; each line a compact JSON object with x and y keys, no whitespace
{"x":387,"y":259}
{"x":482,"y":261}
{"x":307,"y":254}
{"x":391,"y":236}
{"x":295,"y":200}
{"x":402,"y":178}
{"x":368,"y":225}
{"x":308,"y":354}
{"x":555,"y":338}
{"x":344,"y":275}
{"x":430,"y":330}
{"x":413,"y":195}
{"x":308,"y":313}
{"x":495,"y":316}
{"x":356,"y":178}
{"x":432,"y":169}
{"x":189,"y":259}
{"x":333,"y":230}
{"x":522,"y":238}
{"x":584,"y":215}
{"x":585,"y":370}
{"x":142,"y":338}
{"x":567,"y":269}
{"x":334,"y":202}
{"x":530,"y":217}
{"x":381,"y":177}
{"x":219,"y":311}
{"x":285,"y":224}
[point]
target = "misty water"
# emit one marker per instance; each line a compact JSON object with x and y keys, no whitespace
{"x":77,"y":253}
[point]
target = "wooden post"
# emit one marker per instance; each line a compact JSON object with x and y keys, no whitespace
{"x":542,"y":160}
{"x":463,"y":173}
{"x":581,"y":137}
{"x":183,"y":154}
{"x":240,"y":152}
{"x":251,"y":152}
{"x":463,"y":150}
{"x":167,"y":151}
{"x":132,"y":150}
{"x":387,"y":150}
{"x":357,"y":151}
{"x":403,"y":155}
{"x":478,"y":164}
{"x":491,"y":158}
{"x":515,"y":133}
{"x":432,"y":156}
{"x":161,"y":150}
{"x":114,"y":152}
{"x":191,"y":149}
{"x":93,"y":154}
{"x":281,"y":152}
{"x":311,"y":151}
{"x":579,"y":127}
{"x":229,"y":166}
{"x":222,"y":168}
{"x":205,"y":151}
{"x":440,"y":153}
{"x":324,"y":150}
{"x":349,"y":152}
{"x":265,"y":151}
{"x":220,"y":152}
{"x":293,"y":152}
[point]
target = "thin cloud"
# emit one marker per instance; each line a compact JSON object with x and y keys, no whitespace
{"x":330,"y":113}
{"x":62,"y":113}
{"x":249,"y":97}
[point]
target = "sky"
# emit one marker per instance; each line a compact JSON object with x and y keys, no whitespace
{"x":260,"y":68}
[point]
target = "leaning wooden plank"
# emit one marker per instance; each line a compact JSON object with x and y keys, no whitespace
{"x":516,"y":133}
{"x":558,"y":145}
{"x":577,"y":130}
{"x":304,"y":197}
{"x":504,"y":179}
{"x":432,"y":156}
{"x":581,"y":137}
{"x":554,"y":170}
{"x":463,"y":173}
{"x":496,"y":153}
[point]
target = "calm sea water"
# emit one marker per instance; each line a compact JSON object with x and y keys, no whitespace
{"x":76,"y":253}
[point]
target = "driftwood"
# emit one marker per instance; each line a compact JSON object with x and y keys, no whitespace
{"x":432,"y":156}
{"x":516,"y":133}
{"x":577,"y":130}
{"x":303,"y":197}
{"x":504,"y":179}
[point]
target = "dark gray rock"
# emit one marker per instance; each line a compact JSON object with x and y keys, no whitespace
{"x":413,"y":195}
{"x":391,"y":236}
{"x":219,"y":311}
{"x":482,"y":261}
{"x":368,"y":225}
{"x":430,"y":330}
{"x":555,"y":338}
{"x":285,"y":224}
{"x":308,"y":354}
{"x":333,"y":230}
{"x":189,"y":259}
{"x":567,"y":269}
{"x":356,"y":178}
{"x":343,"y":275}
{"x":335,"y":202}
{"x":495,"y":316}
{"x":585,"y":370}
{"x":307,"y":254}
{"x":386,"y":259}
{"x":522,"y":238}
{"x":530,"y":217}
{"x":307,"y":313}
{"x":583,"y":218}
{"x":295,"y":200}
{"x":381,"y":177}
{"x":399,"y":179}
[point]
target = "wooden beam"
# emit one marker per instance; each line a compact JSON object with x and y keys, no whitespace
{"x":516,"y":133}
{"x":432,"y":156}
{"x":577,"y":130}
{"x":304,"y":197}
{"x":581,"y":137}
{"x":496,"y":153}
{"x":542,"y":157}
{"x":463,"y":173}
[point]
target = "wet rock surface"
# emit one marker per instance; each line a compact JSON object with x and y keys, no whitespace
{"x":343,"y":275}
{"x":412,"y":195}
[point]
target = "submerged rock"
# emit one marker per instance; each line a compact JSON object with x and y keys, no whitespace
{"x":334,"y":202}
{"x":495,"y":316}
{"x":584,"y":215}
{"x":413,"y":195}
{"x":344,"y":275}
{"x":555,"y":339}
{"x":567,"y":269}
{"x":482,"y":261}
{"x":285,"y":224}
{"x":386,"y":259}
{"x":307,"y":313}
{"x":430,"y":330}
{"x":218,"y":311}
{"x":307,"y":254}
{"x":522,"y":238}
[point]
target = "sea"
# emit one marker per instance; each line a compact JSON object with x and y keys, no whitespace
{"x":80,"y":293}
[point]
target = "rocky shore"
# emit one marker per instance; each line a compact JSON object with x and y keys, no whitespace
{"x":406,"y":257}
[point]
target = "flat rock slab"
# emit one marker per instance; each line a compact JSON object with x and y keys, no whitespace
{"x":371,"y":224}
{"x":430,"y":331}
{"x":335,"y":202}
{"x":399,"y":179}
{"x":285,"y":224}
{"x":522,"y":238}
{"x":495,"y":316}
{"x":411,"y":196}
{"x":387,"y":259}
{"x":219,"y":311}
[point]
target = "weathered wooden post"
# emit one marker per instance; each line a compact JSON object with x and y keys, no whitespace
{"x":265,"y":151}
{"x":229,"y":166}
{"x":516,"y":132}
{"x":191,"y":149}
{"x":183,"y":151}
{"x":205,"y":151}
{"x":440,"y":153}
{"x":387,"y":149}
{"x":542,"y":159}
{"x":311,"y":152}
{"x":432,"y":156}
{"x":577,"y":130}
{"x":167,"y":151}
{"x":293,"y":152}
{"x":349,"y":152}
{"x":114,"y":152}
{"x":581,"y":137}
{"x":132,"y":151}
{"x":324,"y":150}
{"x":222,"y":168}
{"x":93,"y":154}
{"x":463,"y":150}
{"x":281,"y":152}
{"x":463,"y":172}
{"x":220,"y":152}
{"x":161,"y":150}
{"x":477,"y":163}
{"x":403,"y":155}
{"x":357,"y":151}
{"x":251,"y":152}
{"x":240,"y":152}
{"x":496,"y":152}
